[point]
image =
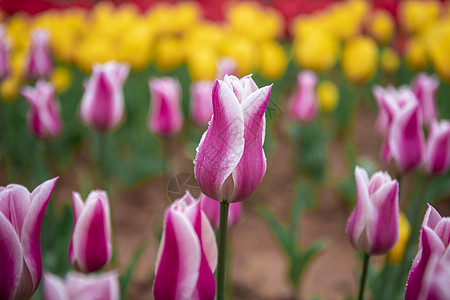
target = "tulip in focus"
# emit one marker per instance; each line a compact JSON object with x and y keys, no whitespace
{"x":39,"y":61}
{"x":230,"y":161}
{"x":165,"y":118}
{"x":201,"y":105}
{"x":437,"y":153}
{"x":360,"y":59}
{"x":44,"y":117}
{"x":78,"y":286}
{"x":21,"y":215}
{"x":4,"y":54}
{"x":424,"y":87}
{"x":373,"y":225}
{"x":303,"y":105}
{"x":187,"y":255}
{"x":90,"y":247}
{"x":211,"y":208}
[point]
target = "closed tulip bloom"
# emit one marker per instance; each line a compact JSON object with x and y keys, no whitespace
{"x":5,"y":46}
{"x":303,"y":104}
{"x":187,"y":255}
{"x":424,"y":88}
{"x":211,"y":208}
{"x":77,"y":286}
{"x":166,"y":118}
{"x":230,"y":161}
{"x":102,"y":105}
{"x":90,"y":247}
{"x":44,"y":118}
{"x":373,"y":226}
{"x":437,"y":154}
{"x":39,"y":60}
{"x":21,"y":215}
{"x":201,"y":103}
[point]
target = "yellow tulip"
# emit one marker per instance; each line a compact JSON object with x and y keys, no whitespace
{"x":397,"y":254}
{"x":168,"y":53}
{"x":389,"y":60}
{"x":273,"y":61}
{"x":243,"y":51}
{"x":382,"y":26}
{"x":328,"y":95}
{"x":61,"y":79}
{"x":359,"y":59}
{"x":416,"y":54}
{"x":9,"y":88}
{"x":416,"y":16}
{"x":202,"y":64}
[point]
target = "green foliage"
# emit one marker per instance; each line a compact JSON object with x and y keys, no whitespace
{"x":126,"y":277}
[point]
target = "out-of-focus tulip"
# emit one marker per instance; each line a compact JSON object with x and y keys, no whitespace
{"x":61,"y":79}
{"x":416,"y":54}
{"x":416,"y":16}
{"x":397,"y":253}
{"x":165,"y":118}
{"x":328,"y":95}
{"x":102,"y":106}
{"x":202,"y":64}
{"x":77,"y":286}
{"x":389,"y":60}
{"x":373,"y":225}
{"x":21,"y":215}
{"x":273,"y":61}
{"x":303,"y":103}
{"x":424,"y":87}
{"x":39,"y":62}
{"x":437,"y":154}
{"x":429,"y":274}
{"x":44,"y":117}
{"x":359,"y":59}
{"x":226,"y":66}
{"x":201,"y":103}
{"x":211,"y":208}
{"x":187,"y":255}
{"x":230,"y":161}
{"x":90,"y":247}
{"x":4,"y":54}
{"x":382,"y":26}
{"x":168,"y":53}
{"x":243,"y":51}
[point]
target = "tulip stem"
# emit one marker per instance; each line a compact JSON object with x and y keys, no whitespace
{"x":363,"y":276}
{"x":223,"y":226}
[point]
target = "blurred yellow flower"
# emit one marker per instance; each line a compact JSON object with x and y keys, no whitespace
{"x":168,"y":53}
{"x":389,"y":60}
{"x":416,"y":15}
{"x":397,"y":253}
{"x":328,"y":95}
{"x":202,"y":64}
{"x":61,"y":78}
{"x":243,"y":51}
{"x":9,"y":88}
{"x":359,"y":59}
{"x":416,"y":54}
{"x":347,"y":18}
{"x":273,"y":61}
{"x":381,"y":26}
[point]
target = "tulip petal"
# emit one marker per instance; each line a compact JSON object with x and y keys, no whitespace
{"x":78,"y":206}
{"x":102,"y":286}
{"x":14,"y":202}
{"x":54,"y":288}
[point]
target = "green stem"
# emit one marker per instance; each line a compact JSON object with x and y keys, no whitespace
{"x":223,"y":226}
{"x":363,"y":276}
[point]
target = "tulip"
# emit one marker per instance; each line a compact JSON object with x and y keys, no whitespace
{"x":39,"y":61}
{"x":424,"y":88}
{"x":428,"y":277}
{"x":201,"y":104}
{"x":373,"y":225}
{"x":78,"y":286}
{"x":102,"y":106}
{"x":44,"y":117}
{"x":211,"y":208}
{"x":187,"y":255}
{"x":359,"y":59}
{"x":437,"y":152}
{"x":230,"y":161}
{"x":226,"y":66}
{"x":165,"y":118}
{"x":21,"y":215}
{"x":90,"y":247}
{"x":328,"y":95}
{"x":303,"y":103}
{"x":4,"y":54}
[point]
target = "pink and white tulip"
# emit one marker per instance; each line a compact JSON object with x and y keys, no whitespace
{"x":437,"y":154}
{"x":39,"y":60}
{"x":303,"y":105}
{"x":187,"y":255}
{"x":21,"y":215}
{"x":211,"y":208}
{"x":201,"y":103}
{"x":77,"y":286}
{"x":5,"y":68}
{"x":373,"y":225}
{"x":230,"y":161}
{"x":90,"y":247}
{"x":165,"y":118}
{"x":102,"y":105}
{"x":44,"y":117}
{"x":424,"y":87}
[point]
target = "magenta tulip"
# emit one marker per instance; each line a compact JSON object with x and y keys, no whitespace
{"x":90,"y":248}
{"x":77,"y":286}
{"x":424,"y":87}
{"x":102,"y":105}
{"x":437,"y":154}
{"x":166,"y":117}
{"x":230,"y":161}
{"x":39,"y":60}
{"x":211,"y":208}
{"x":303,"y":105}
{"x":201,"y":104}
{"x":373,"y":225}
{"x":226,"y":66}
{"x":44,"y":117}
{"x":21,"y":215}
{"x":187,"y":255}
{"x":5,"y":68}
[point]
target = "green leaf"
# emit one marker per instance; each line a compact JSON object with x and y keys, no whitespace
{"x":125,"y":279}
{"x":301,"y":261}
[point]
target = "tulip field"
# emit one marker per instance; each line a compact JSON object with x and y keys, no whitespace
{"x":201,"y":150}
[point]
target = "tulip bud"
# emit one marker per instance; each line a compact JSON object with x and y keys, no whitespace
{"x":44,"y":117}
{"x":303,"y":103}
{"x":201,"y":103}
{"x":80,"y":286}
{"x":39,"y":62}
{"x":21,"y":215}
{"x":359,"y":59}
{"x":90,"y":247}
{"x":5,"y":68}
{"x":230,"y":161}
{"x":211,"y":208}
{"x":166,"y":117}
{"x":102,"y":106}
{"x":373,"y":225}
{"x":437,"y":154}
{"x":424,"y":88}
{"x":328,"y":95}
{"x":187,"y":255}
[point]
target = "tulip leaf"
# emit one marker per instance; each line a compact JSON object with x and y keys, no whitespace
{"x":126,"y":277}
{"x":278,"y":229}
{"x":301,"y":260}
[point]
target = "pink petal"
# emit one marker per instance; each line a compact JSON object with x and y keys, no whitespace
{"x":54,"y":288}
{"x":77,"y":209}
{"x":94,"y":286}
{"x":15,"y":200}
